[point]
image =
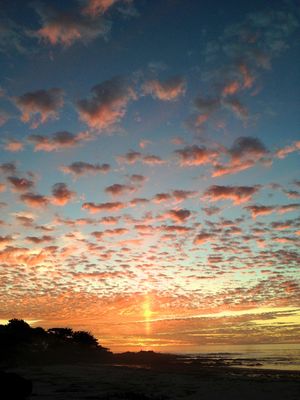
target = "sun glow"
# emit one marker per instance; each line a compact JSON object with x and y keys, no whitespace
{"x":147,"y":313}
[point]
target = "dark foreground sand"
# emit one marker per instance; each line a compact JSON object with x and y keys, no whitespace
{"x":92,"y":381}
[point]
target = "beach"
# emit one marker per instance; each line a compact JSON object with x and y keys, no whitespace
{"x":96,"y":381}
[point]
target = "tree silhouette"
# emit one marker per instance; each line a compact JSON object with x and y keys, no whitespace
{"x":65,"y":334}
{"x":85,"y":339}
{"x":19,"y":343}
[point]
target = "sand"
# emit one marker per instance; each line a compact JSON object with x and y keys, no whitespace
{"x":93,"y":381}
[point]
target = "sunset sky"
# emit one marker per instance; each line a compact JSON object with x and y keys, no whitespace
{"x":149,"y":173}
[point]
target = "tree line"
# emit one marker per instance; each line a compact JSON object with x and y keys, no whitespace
{"x":21,"y":344}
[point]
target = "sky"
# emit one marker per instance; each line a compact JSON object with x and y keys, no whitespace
{"x":149,"y":170}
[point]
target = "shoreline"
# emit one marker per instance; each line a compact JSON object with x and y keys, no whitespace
{"x":160,"y":382}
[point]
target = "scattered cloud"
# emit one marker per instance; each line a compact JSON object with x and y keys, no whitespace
{"x":191,"y":156}
{"x":65,"y":27}
{"x":245,"y":153}
{"x":8,"y":168}
{"x":237,"y":194}
{"x":118,"y":189}
{"x":203,"y":238}
{"x":284,"y":151}
{"x":20,"y":184}
{"x":40,"y":106}
{"x":80,"y":168}
{"x":61,"y":194}
{"x":107,"y":105}
{"x":58,"y":141}
{"x":103,"y":207}
{"x":14,"y":145}
{"x":34,"y":200}
{"x":180,"y":215}
{"x":168,"y":90}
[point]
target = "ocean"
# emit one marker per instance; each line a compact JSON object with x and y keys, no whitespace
{"x":266,"y":356}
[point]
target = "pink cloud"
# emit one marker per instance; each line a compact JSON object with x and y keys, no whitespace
{"x":119,"y":190}
{"x":80,"y":168}
{"x":283,"y":152}
{"x":168,"y":90}
{"x":20,"y":184}
{"x":144,"y":143}
{"x":236,"y":107}
{"x":134,"y":156}
{"x":20,"y":255}
{"x":180,"y":215}
{"x":108,"y":104}
{"x":8,"y":168}
{"x":179,"y":229}
{"x":181,"y":195}
{"x":34,"y":200}
{"x":61,"y":27}
{"x":96,"y":7}
{"x":231,"y":88}
{"x":40,"y":239}
{"x":237,"y":194}
{"x":40,"y":106}
{"x":130,"y":158}
{"x":152,"y":160}
{"x":203,"y":238}
{"x":4,"y":240}
{"x":137,"y":179}
{"x":14,"y":146}
{"x":110,"y":233}
{"x":194,"y":155}
{"x":257,"y":210}
{"x":58,"y":141}
{"x":102,"y":207}
{"x":162,"y":197}
{"x":61,"y":194}
{"x":245,"y":153}
{"x":109,"y":220}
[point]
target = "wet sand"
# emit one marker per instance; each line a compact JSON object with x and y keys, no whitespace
{"x":94,"y":381}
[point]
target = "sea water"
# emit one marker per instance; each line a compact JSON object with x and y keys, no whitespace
{"x":265,"y":356}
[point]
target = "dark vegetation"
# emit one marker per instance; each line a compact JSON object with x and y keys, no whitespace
{"x":20,"y":344}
